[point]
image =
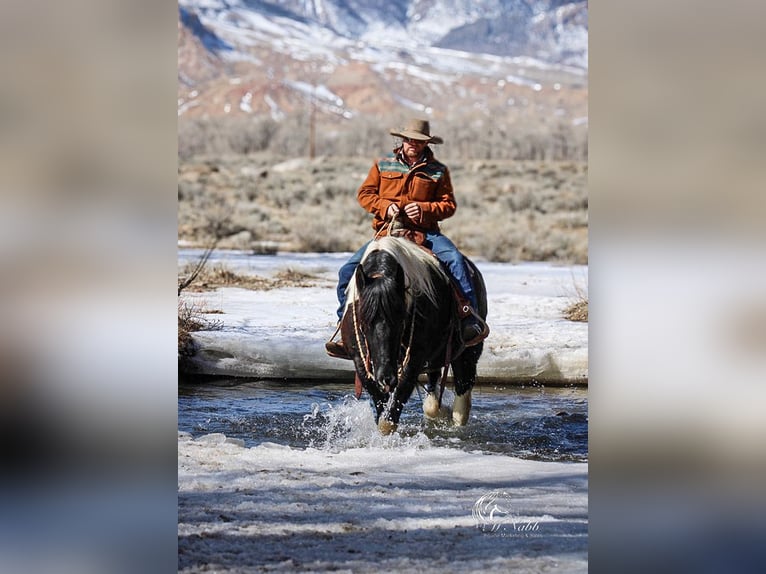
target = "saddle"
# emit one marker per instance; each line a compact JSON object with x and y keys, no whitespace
{"x":399,"y":228}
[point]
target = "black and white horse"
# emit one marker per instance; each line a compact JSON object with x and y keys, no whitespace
{"x":401,"y":320}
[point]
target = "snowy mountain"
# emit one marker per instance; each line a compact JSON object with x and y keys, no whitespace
{"x":359,"y":57}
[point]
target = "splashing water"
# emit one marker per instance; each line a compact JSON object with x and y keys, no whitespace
{"x":351,"y":424}
{"x":533,"y":423}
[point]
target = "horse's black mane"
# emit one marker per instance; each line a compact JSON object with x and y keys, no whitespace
{"x":383,"y":295}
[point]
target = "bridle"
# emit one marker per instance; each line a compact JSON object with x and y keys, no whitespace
{"x":364,"y":347}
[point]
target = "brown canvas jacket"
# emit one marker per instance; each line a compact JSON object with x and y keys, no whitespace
{"x":390,"y":180}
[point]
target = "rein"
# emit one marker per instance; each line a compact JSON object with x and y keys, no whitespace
{"x":447,"y":361}
{"x":359,"y":339}
{"x":406,"y":359}
{"x":386,"y":225}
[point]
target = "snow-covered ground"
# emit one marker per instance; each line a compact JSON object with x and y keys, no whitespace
{"x":375,"y":504}
{"x":281,"y":333}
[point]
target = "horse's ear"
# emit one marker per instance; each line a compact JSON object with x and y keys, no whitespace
{"x":360,"y":279}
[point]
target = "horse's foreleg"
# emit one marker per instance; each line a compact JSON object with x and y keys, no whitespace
{"x":431,"y":402}
{"x":461,"y":409}
{"x":390,"y":419}
{"x":431,"y":408}
{"x":379,"y":398}
{"x":464,"y":372}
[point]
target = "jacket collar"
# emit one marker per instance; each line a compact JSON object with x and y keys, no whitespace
{"x":425,"y":157}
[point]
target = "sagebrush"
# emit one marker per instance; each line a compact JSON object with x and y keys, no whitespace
{"x":507,"y":210}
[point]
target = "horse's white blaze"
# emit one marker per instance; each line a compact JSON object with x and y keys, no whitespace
{"x":415,"y":263}
{"x":461,"y":409}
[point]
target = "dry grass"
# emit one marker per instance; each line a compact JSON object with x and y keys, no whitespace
{"x":577,"y":311}
{"x":294,"y":278}
{"x":220,"y":276}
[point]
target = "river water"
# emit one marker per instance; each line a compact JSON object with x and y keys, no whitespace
{"x":533,"y":422}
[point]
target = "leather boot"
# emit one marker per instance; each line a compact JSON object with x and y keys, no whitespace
{"x":337,"y":349}
{"x":473,"y":330}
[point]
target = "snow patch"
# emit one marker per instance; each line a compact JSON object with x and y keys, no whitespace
{"x":281,"y":332}
{"x":326,"y":505}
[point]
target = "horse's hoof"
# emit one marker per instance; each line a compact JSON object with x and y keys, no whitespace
{"x":461,"y":409}
{"x":433,"y":411}
{"x":431,"y":406}
{"x":386,"y":427}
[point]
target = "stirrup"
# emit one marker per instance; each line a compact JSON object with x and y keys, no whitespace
{"x":479,"y":328}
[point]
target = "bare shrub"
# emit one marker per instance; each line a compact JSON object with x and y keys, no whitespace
{"x":528,"y":136}
{"x":251,"y":135}
{"x":291,"y":139}
{"x":328,"y":228}
{"x":192,"y":271}
{"x":192,"y":317}
{"x":578,"y":310}
{"x":222,"y":136}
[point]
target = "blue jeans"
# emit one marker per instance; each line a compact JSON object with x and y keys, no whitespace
{"x":442,"y":247}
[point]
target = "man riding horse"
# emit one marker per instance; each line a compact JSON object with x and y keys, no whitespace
{"x":410,"y":185}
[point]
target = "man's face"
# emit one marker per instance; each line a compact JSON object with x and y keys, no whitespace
{"x":412,"y":148}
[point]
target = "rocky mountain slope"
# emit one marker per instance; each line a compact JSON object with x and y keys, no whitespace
{"x":468,"y":59}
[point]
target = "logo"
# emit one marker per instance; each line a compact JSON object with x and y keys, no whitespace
{"x":493,"y":512}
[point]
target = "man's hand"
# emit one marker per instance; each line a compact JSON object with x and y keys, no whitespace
{"x":392,"y":211}
{"x":414,"y":212}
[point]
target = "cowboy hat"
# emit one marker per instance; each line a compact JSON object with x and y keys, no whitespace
{"x":417,"y":130}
